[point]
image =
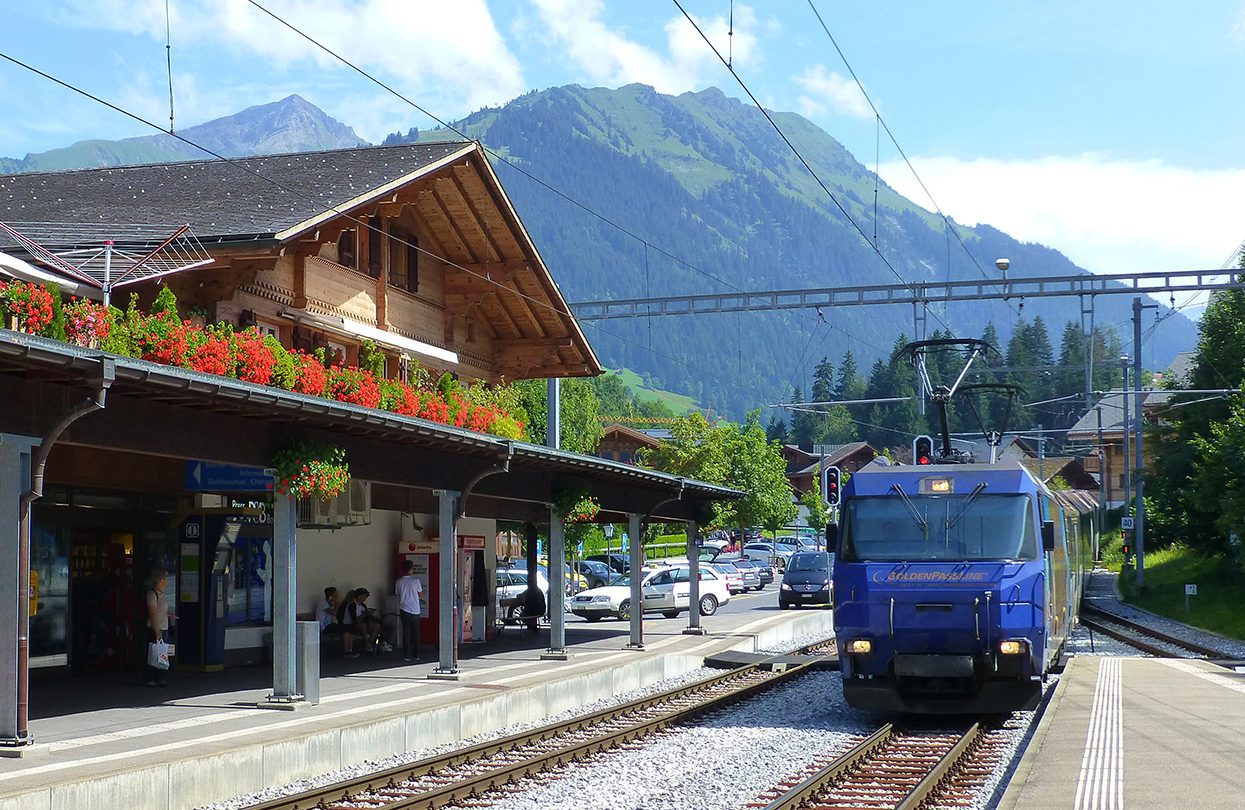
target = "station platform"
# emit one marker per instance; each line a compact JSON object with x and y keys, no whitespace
{"x":1136,"y":732}
{"x":111,"y":743}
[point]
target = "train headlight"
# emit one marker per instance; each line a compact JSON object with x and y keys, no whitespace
{"x":1013,"y":647}
{"x":860,"y":646}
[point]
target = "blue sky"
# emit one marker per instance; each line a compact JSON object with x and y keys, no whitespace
{"x":1108,"y":130}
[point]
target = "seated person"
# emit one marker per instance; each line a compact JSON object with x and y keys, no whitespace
{"x":362,"y":621}
{"x":329,"y":625}
{"x":533,"y":605}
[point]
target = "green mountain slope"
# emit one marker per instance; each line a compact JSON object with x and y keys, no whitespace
{"x":290,"y":125}
{"x":704,"y":178}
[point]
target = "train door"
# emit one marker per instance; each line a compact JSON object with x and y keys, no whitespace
{"x":1057,"y":574}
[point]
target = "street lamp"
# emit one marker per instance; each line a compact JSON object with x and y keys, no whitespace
{"x":1128,"y":476}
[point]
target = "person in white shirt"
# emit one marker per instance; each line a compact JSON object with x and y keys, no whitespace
{"x":409,"y":589}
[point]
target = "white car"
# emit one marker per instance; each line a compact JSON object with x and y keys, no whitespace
{"x":513,"y":581}
{"x":666,"y":590}
{"x":765,"y":551}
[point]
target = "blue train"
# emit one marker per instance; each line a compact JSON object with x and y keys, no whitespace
{"x":955,"y":585}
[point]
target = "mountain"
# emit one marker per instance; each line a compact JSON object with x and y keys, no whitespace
{"x":290,"y":125}
{"x":705,"y":179}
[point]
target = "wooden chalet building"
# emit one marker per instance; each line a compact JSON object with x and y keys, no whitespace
{"x":621,"y":443}
{"x":804,"y":467}
{"x":415,"y":247}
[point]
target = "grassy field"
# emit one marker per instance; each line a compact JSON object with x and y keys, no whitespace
{"x":1220,"y":601}
{"x":677,"y":402}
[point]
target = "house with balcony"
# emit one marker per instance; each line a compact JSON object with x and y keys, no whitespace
{"x":416,"y":248}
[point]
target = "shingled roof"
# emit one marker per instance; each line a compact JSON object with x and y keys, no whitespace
{"x":251,"y":198}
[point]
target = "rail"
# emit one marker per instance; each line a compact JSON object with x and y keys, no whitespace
{"x":459,"y":775}
{"x":1099,"y":621}
{"x":886,"y":769}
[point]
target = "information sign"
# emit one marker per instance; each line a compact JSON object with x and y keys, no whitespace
{"x":208,"y":476}
{"x":1190,"y":590}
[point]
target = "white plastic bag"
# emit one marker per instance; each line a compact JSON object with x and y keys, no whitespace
{"x":158,"y":655}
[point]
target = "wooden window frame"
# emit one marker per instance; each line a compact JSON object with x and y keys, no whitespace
{"x":412,"y":262}
{"x":350,"y":256}
{"x":375,"y":244}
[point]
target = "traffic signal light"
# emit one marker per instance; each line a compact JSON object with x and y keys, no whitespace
{"x":830,"y":480}
{"x":922,"y":450}
{"x":1126,"y":548}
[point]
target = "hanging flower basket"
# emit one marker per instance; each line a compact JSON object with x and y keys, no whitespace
{"x":312,"y":471}
{"x":576,"y":506}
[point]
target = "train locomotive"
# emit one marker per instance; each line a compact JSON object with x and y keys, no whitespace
{"x":955,"y":585}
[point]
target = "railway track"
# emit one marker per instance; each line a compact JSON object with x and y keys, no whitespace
{"x":896,"y":769}
{"x":1146,"y":639}
{"x":469,"y":775}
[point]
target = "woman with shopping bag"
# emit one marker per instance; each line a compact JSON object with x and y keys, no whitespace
{"x":158,"y":617}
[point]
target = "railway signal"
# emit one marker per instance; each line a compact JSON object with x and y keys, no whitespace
{"x":922,"y":450}
{"x":830,"y":480}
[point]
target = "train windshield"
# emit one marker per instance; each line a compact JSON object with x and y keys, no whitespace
{"x":970,"y":527}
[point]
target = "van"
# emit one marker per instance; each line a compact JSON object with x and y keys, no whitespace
{"x":806,"y":580}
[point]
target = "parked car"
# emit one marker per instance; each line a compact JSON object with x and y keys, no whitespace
{"x":751,"y":576}
{"x":733,"y":576}
{"x":595,"y":572}
{"x":621,"y":563}
{"x":798,"y":543}
{"x":806,"y":580}
{"x":513,"y":581}
{"x":766,"y":551}
{"x":719,"y":540}
{"x":667,"y":590}
{"x":764,"y":571}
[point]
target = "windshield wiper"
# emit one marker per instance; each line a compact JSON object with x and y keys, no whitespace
{"x":972,"y":496}
{"x":920,"y":521}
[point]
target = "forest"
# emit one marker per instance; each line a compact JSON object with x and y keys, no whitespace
{"x":1051,"y":395}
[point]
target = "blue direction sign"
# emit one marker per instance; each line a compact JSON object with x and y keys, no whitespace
{"x":208,"y":476}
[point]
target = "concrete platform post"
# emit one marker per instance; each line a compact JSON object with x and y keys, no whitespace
{"x":285,"y":692}
{"x":693,"y":565}
{"x":447,"y":586}
{"x":557,"y":588}
{"x":636,"y":551}
{"x":15,"y":466}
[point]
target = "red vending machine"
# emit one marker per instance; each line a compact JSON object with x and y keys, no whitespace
{"x":471,"y":604}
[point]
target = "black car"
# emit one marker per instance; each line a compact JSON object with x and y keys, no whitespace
{"x":621,"y":563}
{"x":597,"y":573}
{"x":806,"y":580}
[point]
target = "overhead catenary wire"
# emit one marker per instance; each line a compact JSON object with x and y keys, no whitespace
{"x":523,"y":171}
{"x":860,"y":86}
{"x":798,"y":155}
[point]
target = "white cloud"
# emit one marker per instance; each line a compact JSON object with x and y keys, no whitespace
{"x":830,"y":90}
{"x":609,"y":57}
{"x":1238,"y":28}
{"x":448,"y":55}
{"x":1107,"y":215}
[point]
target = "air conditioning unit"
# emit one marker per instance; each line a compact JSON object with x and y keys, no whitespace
{"x":351,"y":508}
{"x":355,"y":504}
